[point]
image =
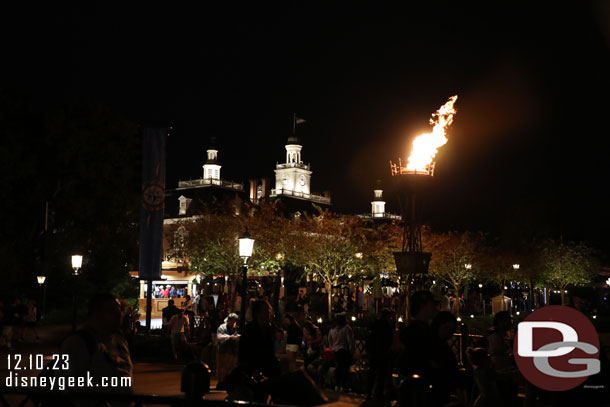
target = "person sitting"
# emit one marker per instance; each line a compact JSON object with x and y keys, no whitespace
{"x":294,"y":337}
{"x":313,"y":340}
{"x":228,"y":343}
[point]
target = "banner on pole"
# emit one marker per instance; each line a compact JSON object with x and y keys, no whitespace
{"x":153,"y":202}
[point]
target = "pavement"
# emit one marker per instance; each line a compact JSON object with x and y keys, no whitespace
{"x":150,"y":377}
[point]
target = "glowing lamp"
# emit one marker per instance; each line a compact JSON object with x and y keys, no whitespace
{"x":41,"y":279}
{"x":77,"y":262}
{"x":246,"y":244}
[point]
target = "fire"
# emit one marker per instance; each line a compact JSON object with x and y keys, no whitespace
{"x":425,"y":146}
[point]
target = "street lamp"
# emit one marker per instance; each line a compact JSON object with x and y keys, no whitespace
{"x":516,"y":266}
{"x":246,"y":244}
{"x":77,"y":262}
{"x":41,"y":280}
{"x":468,"y":266}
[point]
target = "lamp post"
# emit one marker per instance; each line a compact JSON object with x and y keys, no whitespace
{"x":77,"y":262}
{"x":41,"y":280}
{"x":246,"y":244}
{"x":481,"y":297}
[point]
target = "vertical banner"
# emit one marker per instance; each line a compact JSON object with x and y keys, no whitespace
{"x":153,"y":202}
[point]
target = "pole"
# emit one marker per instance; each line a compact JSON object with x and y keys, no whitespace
{"x":40,"y":301}
{"x":44,"y":300}
{"x":74,"y":304}
{"x":148,"y":303}
{"x":244,"y":291}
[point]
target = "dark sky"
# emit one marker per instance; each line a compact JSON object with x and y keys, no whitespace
{"x":528,"y":147}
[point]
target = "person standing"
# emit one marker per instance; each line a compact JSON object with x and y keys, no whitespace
{"x":256,"y":350}
{"x":178,"y":328}
{"x":341,"y":341}
{"x":378,"y":350}
{"x":417,"y":338}
{"x":228,"y":345}
{"x":99,"y":349}
{"x":167,"y":313}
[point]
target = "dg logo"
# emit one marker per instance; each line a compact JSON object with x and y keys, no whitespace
{"x":557,"y":348}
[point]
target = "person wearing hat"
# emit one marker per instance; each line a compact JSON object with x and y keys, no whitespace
{"x":417,"y":337}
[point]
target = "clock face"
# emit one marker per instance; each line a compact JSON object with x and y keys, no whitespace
{"x":302,"y":179}
{"x":284,"y":181}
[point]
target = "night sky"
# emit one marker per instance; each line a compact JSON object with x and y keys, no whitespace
{"x":528,"y":149}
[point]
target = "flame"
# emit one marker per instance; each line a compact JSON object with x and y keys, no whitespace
{"x":425,"y":146}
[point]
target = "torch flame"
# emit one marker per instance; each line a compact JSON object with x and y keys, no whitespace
{"x":425,"y":146}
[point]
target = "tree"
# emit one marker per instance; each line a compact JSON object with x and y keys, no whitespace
{"x":328,"y":246}
{"x":82,"y":162}
{"x":567,"y":264}
{"x":455,"y":258}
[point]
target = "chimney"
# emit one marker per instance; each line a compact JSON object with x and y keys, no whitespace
{"x":266,"y":187}
{"x":253,"y":184}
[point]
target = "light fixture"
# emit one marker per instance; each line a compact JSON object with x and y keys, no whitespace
{"x":471,"y":316}
{"x":246,"y":244}
{"x":480,"y":285}
{"x":516,"y":266}
{"x":353,"y":318}
{"x":320,"y":320}
{"x":359,"y":255}
{"x":41,"y":279}
{"x":399,"y":319}
{"x":77,"y":262}
{"x":468,"y":266}
{"x":459,"y":319}
{"x":518,"y":313}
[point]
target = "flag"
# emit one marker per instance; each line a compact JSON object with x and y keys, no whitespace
{"x":153,"y":202}
{"x":299,"y":120}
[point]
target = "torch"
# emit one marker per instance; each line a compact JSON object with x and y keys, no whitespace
{"x":412,"y":180}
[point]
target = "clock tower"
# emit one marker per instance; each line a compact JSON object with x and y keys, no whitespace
{"x":293,"y":177}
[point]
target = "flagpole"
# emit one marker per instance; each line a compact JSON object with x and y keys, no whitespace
{"x":294,"y":124}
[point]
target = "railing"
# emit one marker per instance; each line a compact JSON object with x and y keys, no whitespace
{"x":380,"y":216}
{"x":301,"y":195}
{"x":292,"y":165}
{"x":39,"y":398}
{"x":208,"y":182}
